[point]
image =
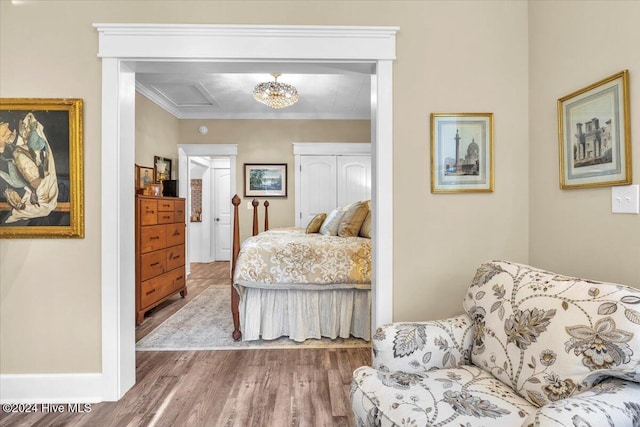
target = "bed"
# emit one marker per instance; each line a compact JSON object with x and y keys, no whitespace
{"x":289,"y":283}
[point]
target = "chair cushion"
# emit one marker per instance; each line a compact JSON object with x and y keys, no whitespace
{"x":464,"y":396}
{"x":315,"y":223}
{"x":550,"y":336}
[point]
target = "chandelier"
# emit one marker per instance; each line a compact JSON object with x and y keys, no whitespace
{"x":274,"y":94}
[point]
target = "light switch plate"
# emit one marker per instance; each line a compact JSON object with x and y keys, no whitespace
{"x":625,"y":199}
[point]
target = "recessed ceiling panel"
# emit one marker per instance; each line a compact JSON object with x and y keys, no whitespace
{"x":182,"y":94}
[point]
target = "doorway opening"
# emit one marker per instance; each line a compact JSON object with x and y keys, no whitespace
{"x":126,"y":47}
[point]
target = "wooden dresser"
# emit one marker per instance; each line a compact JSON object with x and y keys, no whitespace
{"x":160,"y":251}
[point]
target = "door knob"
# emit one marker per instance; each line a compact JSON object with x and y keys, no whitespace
{"x":217,"y":219}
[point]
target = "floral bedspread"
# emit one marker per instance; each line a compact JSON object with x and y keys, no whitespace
{"x":286,"y":258}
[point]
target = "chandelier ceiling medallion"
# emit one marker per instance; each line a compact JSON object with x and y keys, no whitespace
{"x":275,"y":94}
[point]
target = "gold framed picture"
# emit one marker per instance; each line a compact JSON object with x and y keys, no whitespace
{"x":144,"y":176}
{"x":594,"y":136}
{"x":461,"y":152}
{"x":41,"y":168}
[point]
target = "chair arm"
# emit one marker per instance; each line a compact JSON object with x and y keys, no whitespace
{"x":422,"y":346}
{"x":613,"y":402}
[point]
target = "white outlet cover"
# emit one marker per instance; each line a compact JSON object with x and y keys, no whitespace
{"x":625,"y":199}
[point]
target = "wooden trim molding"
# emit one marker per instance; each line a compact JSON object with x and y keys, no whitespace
{"x":51,"y":388}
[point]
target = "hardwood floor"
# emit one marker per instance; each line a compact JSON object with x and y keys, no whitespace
{"x":307,"y":387}
{"x":301,"y":387}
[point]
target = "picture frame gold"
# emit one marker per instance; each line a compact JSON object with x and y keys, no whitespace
{"x":41,"y":165}
{"x":144,"y":175}
{"x":594,"y":135}
{"x":462,"y":153}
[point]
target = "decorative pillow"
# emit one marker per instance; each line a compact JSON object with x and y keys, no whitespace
{"x":332,"y":222}
{"x":353,"y":219}
{"x":550,"y":336}
{"x":365,"y":230}
{"x":315,"y":223}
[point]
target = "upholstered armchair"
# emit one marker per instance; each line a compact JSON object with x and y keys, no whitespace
{"x":534,"y":348}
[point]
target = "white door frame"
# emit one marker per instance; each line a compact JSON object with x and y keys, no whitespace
{"x":122,"y":47}
{"x":203,"y":150}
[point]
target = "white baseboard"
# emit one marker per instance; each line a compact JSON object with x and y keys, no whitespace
{"x":51,"y":388}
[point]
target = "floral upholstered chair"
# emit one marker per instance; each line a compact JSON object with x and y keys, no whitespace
{"x":534,"y":349}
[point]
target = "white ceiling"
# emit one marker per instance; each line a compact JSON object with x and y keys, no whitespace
{"x":224,"y":90}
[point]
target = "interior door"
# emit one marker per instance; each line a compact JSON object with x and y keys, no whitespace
{"x":354,"y":179}
{"x":317,"y":186}
{"x":222,"y":214}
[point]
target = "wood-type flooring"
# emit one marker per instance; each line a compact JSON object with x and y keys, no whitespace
{"x":300,"y":387}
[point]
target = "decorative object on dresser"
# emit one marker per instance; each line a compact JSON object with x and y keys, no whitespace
{"x":161,"y":168}
{"x":144,"y":176}
{"x":160,"y":251}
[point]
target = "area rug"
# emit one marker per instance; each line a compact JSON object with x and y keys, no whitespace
{"x":205,"y":324}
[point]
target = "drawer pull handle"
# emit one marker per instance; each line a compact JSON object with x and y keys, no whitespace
{"x":154,"y":237}
{"x":150,"y":211}
{"x":179,"y":277}
{"x":166,"y":216}
{"x":154,"y":264}
{"x":151,"y":291}
{"x":176,"y":233}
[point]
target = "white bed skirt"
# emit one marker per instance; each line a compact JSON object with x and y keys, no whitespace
{"x":301,"y":314}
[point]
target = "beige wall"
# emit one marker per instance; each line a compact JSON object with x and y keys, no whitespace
{"x":572,"y":45}
{"x":270,"y":141}
{"x":451,"y":57}
{"x":157,"y":134}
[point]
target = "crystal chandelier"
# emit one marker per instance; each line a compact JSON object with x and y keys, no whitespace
{"x":274,"y":94}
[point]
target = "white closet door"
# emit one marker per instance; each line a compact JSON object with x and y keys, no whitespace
{"x":354,"y":179}
{"x":317,"y":186}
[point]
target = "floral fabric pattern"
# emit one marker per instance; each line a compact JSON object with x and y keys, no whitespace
{"x":547,"y":350}
{"x":283,"y":258}
{"x":461,"y":396}
{"x":614,"y":402}
{"x":423,"y":346}
{"x":526,"y":311}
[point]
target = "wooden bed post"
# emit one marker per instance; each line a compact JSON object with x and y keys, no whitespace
{"x":266,"y":215}
{"x":235,"y":298}
{"x":255,"y":204}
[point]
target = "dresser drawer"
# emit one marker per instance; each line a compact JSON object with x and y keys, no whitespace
{"x":165,"y":217}
{"x":153,"y":238}
{"x":179,"y":212}
{"x":178,"y":278}
{"x":166,"y":206}
{"x":155,"y":289}
{"x":175,"y":234}
{"x":174,"y":257}
{"x":148,"y":212}
{"x":153,"y":264}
